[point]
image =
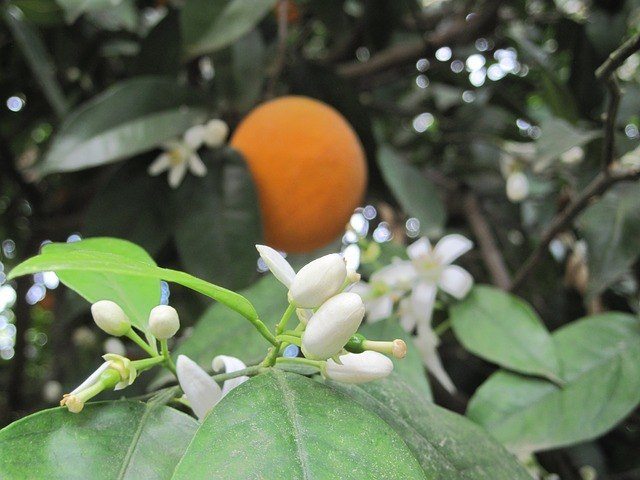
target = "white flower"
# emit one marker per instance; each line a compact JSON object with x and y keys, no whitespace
{"x":330,"y":328}
{"x":110,"y":318}
{"x":164,"y":322}
{"x":277,"y":264}
{"x":215,"y":133}
{"x":177,"y":158}
{"x":358,"y":367}
{"x":318,"y":281}
{"x":517,"y":186}
{"x":202,"y":391}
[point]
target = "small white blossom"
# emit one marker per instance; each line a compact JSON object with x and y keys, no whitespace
{"x":280,"y":268}
{"x":164,"y":322}
{"x":178,"y":157}
{"x":110,"y":318}
{"x":359,"y":367}
{"x":318,"y":281}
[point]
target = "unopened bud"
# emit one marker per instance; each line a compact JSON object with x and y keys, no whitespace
{"x":317,"y":281}
{"x":110,"y":317}
{"x":163,"y":322}
{"x":332,"y":326}
{"x":517,"y":187}
{"x":215,"y":133}
{"x":358,"y":367}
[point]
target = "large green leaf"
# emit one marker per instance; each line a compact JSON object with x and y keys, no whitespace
{"x":504,"y":329}
{"x":447,"y":445}
{"x":284,"y":425}
{"x":128,"y":118}
{"x":39,"y":60}
{"x":123,"y":440}
{"x":600,"y":357}
{"x":209,"y":26}
{"x":409,"y":368}
{"x":611,"y":228}
{"x":104,"y":255}
{"x":217,"y":221}
{"x":417,"y":196}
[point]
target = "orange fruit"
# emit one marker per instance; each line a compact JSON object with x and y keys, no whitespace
{"x":309,"y":169}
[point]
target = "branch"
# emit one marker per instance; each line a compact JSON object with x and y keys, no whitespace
{"x":460,"y":32}
{"x":599,"y":185}
{"x":488,"y":249}
{"x":618,"y":57}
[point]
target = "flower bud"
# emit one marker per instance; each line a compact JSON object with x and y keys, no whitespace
{"x":317,"y":281}
{"x":215,"y":133}
{"x":517,"y":187}
{"x":110,"y":317}
{"x":332,"y":325}
{"x":358,"y":367}
{"x":163,"y":322}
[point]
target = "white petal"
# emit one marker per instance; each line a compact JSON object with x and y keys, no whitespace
{"x":379,"y":308}
{"x":176,"y":174}
{"x":194,"y":137}
{"x":362,"y":288}
{"x":456,"y":281}
{"x":229,"y":364}
{"x":427,"y":342}
{"x":423,"y":298}
{"x":200,"y":389}
{"x":196,"y":166}
{"x":277,"y":264}
{"x":419,"y":248}
{"x":398,"y":275}
{"x":451,"y":247}
{"x":160,"y":164}
{"x":91,"y":379}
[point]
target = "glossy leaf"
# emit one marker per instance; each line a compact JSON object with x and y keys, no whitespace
{"x":409,"y":368}
{"x":611,"y":228}
{"x":131,"y":117}
{"x":447,"y":445}
{"x":504,"y":329}
{"x":39,"y":60}
{"x":217,"y":221}
{"x":103,"y":255}
{"x":123,"y":439}
{"x":416,"y":195}
{"x":600,"y":357}
{"x":284,"y":425}
{"x":209,"y":26}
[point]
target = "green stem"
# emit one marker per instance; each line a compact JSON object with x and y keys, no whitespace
{"x":282,"y":324}
{"x":319,"y":364}
{"x":168,"y":361}
{"x":289,"y":339}
{"x":131,"y":334}
{"x":293,"y":333}
{"x":443,"y":327}
{"x":146,"y":363}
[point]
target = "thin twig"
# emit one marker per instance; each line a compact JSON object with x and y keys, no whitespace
{"x":608,"y":148}
{"x":618,"y":57}
{"x":491,"y":255}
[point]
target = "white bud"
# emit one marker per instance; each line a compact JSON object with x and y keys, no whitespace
{"x":110,"y":317}
{"x":194,"y":137}
{"x":517,"y":187}
{"x":163,"y":322}
{"x":330,"y":328}
{"x":359,"y":367}
{"x":277,"y":264}
{"x":201,"y":390}
{"x":317,"y":281}
{"x":215,"y":133}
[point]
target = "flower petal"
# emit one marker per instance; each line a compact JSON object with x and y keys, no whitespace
{"x":229,"y":364}
{"x":407,"y":318}
{"x":194,"y":137}
{"x":196,"y":166}
{"x":91,"y":379}
{"x":419,"y":248}
{"x":176,"y":174}
{"x":456,"y":281}
{"x":451,"y":247}
{"x":379,"y":308}
{"x":427,"y":342}
{"x":160,"y":164}
{"x":398,"y":275}
{"x":277,"y":264}
{"x":201,"y":390}
{"x":423,"y":298}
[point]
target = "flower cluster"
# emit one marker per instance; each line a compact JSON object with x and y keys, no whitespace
{"x":412,"y":285}
{"x":181,"y":155}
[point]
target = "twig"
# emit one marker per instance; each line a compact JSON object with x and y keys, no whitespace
{"x":491,"y":255}
{"x":599,"y":185}
{"x":608,"y":147}
{"x":460,"y":32}
{"x":618,"y":57}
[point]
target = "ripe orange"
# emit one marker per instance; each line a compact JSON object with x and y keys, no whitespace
{"x":309,"y":168}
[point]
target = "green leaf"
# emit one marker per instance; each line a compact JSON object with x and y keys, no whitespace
{"x":504,"y":329}
{"x":556,"y":137}
{"x":217,"y":221}
{"x":284,"y":425}
{"x":611,"y":228}
{"x":410,"y":368}
{"x":123,"y":439}
{"x":74,"y":8}
{"x":447,"y":445}
{"x":417,"y":196}
{"x":130,"y":117}
{"x":600,"y":357}
{"x":209,"y":26}
{"x":104,"y":255}
{"x":28,"y":40}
